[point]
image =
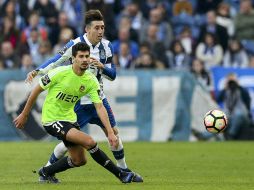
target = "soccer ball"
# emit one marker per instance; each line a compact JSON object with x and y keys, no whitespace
{"x":215,"y":121}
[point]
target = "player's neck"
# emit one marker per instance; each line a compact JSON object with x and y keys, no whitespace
{"x":77,"y":70}
{"x":93,"y":42}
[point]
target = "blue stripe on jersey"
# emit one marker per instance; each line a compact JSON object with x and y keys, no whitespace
{"x":49,"y":61}
{"x":102,"y":53}
{"x":57,"y":56}
{"x":110,"y":72}
{"x":82,"y":39}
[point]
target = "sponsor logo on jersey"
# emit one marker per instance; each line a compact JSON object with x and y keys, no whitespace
{"x":67,"y":97}
{"x":82,"y":88}
{"x":45,"y":80}
{"x":62,"y":51}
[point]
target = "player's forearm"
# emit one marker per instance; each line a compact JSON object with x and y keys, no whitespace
{"x":31,"y":99}
{"x":110,"y":72}
{"x":103,"y":115}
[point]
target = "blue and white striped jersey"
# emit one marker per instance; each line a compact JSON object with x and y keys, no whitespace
{"x":103,"y":52}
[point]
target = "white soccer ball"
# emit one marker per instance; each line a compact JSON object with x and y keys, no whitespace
{"x":215,"y":121}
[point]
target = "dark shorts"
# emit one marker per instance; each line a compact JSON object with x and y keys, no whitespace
{"x":59,"y":130}
{"x":87,"y":114}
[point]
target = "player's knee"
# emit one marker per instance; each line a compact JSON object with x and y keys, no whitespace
{"x":79,"y":161}
{"x":90,"y":143}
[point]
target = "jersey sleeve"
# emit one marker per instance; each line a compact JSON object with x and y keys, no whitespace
{"x":94,"y":92}
{"x":49,"y":79}
{"x":109,"y":72}
{"x":62,"y":56}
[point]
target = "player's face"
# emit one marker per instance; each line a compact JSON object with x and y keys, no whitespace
{"x":95,"y":31}
{"x":82,"y":59}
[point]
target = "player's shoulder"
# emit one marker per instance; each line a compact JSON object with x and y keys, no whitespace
{"x":90,"y":76}
{"x":105,"y":42}
{"x":60,"y":70}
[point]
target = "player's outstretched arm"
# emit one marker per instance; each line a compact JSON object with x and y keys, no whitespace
{"x":62,"y":56}
{"x":21,"y":119}
{"x":103,"y":115}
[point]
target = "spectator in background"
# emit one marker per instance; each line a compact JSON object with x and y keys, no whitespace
{"x":66,"y":34}
{"x":187,"y":40}
{"x":182,"y":6}
{"x":8,"y":56}
{"x":236,"y":102}
{"x":156,"y":46}
{"x":201,"y":74}
{"x":124,"y":36}
{"x":132,"y":10}
{"x":209,"y":51}
{"x":124,"y":59}
{"x":74,"y":11}
{"x":218,"y":31}
{"x":47,"y":11}
{"x":34,"y":24}
{"x":26,"y":63}
{"x":164,"y":31}
{"x":31,"y":45}
{"x":9,"y":32}
{"x":9,"y":9}
{"x":44,"y":53}
{"x":177,"y":58}
{"x":63,"y":22}
{"x":235,"y":56}
{"x":147,"y":61}
{"x":125,"y":21}
{"x":224,"y":19}
{"x":244,"y":21}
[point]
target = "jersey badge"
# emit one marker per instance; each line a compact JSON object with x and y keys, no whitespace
{"x":45,"y":80}
{"x":82,"y":88}
{"x":62,"y":51}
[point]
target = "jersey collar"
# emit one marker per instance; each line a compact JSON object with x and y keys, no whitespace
{"x":89,"y":43}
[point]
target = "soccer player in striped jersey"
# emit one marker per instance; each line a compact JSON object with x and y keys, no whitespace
{"x":66,"y":85}
{"x":102,"y":67}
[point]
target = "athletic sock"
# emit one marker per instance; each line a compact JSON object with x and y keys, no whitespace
{"x":59,"y":166}
{"x":119,"y":154}
{"x":59,"y":151}
{"x":101,"y":158}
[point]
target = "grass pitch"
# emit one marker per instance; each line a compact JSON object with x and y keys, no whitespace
{"x":185,"y":166}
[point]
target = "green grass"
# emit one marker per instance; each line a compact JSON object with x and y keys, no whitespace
{"x":185,"y":166}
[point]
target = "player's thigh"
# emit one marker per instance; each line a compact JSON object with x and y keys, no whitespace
{"x":77,"y":154}
{"x":80,"y":138}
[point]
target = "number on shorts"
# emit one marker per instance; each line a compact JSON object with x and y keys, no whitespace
{"x":58,"y":126}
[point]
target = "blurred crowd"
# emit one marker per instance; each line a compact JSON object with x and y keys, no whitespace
{"x":189,"y":35}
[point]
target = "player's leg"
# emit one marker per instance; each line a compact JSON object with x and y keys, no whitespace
{"x":84,"y":115}
{"x":75,"y":136}
{"x":119,"y":151}
{"x":59,"y":152}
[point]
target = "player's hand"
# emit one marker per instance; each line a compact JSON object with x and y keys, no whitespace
{"x":113,"y":140}
{"x":20,"y":121}
{"x":30,"y":76}
{"x":96,"y":63}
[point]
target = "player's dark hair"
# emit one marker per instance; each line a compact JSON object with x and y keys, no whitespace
{"x":93,"y":15}
{"x":81,"y":46}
